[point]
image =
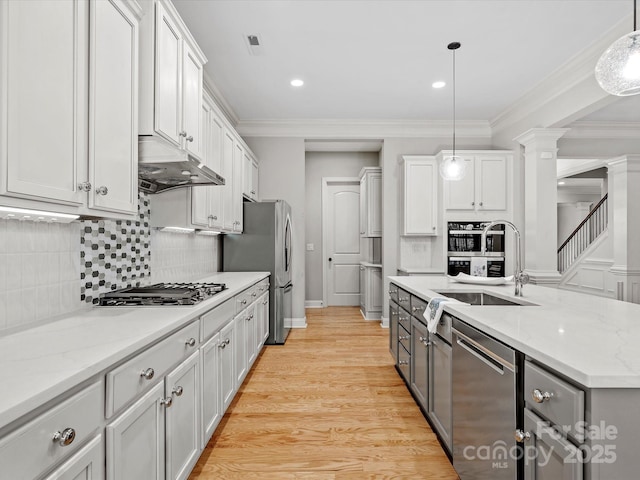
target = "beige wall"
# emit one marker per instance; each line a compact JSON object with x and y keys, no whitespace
{"x":318,"y":166}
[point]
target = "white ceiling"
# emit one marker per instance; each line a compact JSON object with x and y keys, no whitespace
{"x":376,"y":59}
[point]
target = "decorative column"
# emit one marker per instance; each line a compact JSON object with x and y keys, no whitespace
{"x":624,"y":226}
{"x":541,"y":204}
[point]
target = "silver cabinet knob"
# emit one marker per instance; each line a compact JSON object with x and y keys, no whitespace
{"x":480,"y":203}
{"x":177,"y":391}
{"x":84,"y":186}
{"x":254,"y":294}
{"x":189,"y":138}
{"x":215,"y":217}
{"x":473,"y":203}
{"x":102,"y":190}
{"x":361,"y":233}
{"x":425,"y":341}
{"x":434,"y":228}
{"x":148,"y":373}
{"x":253,"y":192}
{"x":521,"y":436}
{"x":182,"y":134}
{"x":191,"y":342}
{"x":222,"y":345}
{"x":243,"y":302}
{"x":65,"y":437}
{"x":226,"y":342}
{"x":167,"y":402}
{"x":539,"y":396}
{"x":265,"y":302}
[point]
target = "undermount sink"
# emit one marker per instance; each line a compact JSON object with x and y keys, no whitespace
{"x":483,"y":299}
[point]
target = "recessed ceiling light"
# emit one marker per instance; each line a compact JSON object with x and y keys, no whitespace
{"x":438,"y":84}
{"x":561,"y":183}
{"x":296,"y":82}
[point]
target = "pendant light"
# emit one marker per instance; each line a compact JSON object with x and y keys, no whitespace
{"x":618,"y":70}
{"x":453,"y":167}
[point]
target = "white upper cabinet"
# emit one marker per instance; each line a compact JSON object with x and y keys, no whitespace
{"x":484,"y":186}
{"x":227,"y":172}
{"x":68,"y":120}
{"x":420,"y":195}
{"x":171,"y":68}
{"x":250,"y":174}
{"x":113,"y":107}
{"x":371,"y":202}
{"x":237,"y":181}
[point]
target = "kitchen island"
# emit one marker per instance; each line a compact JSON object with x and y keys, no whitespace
{"x":584,"y":347}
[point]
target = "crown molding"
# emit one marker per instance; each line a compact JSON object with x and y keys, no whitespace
{"x":604,"y":130}
{"x":585,"y":165}
{"x":225,"y":107}
{"x":362,"y":129}
{"x":577,"y":70}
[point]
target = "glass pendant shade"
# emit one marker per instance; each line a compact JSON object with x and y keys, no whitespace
{"x":453,"y":168}
{"x":618,"y":70}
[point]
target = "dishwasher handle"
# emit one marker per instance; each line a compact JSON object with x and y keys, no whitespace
{"x":488,"y":357}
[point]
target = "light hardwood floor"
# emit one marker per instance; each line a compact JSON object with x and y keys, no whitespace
{"x":326,"y":405}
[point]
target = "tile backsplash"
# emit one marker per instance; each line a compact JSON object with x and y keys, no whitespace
{"x":415,"y":252}
{"x":49,"y":269}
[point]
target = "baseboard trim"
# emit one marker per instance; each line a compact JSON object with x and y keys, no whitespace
{"x":384,"y":323}
{"x":295,"y":322}
{"x":313,"y":304}
{"x":372,"y":316}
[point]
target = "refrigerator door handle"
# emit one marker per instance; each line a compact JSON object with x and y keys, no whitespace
{"x":288,"y":287}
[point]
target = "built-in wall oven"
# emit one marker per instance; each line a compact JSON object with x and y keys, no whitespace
{"x":464,"y":249}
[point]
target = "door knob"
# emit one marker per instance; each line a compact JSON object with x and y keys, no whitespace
{"x":330,"y":259}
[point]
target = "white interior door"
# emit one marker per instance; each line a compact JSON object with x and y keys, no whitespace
{"x":341,"y":241}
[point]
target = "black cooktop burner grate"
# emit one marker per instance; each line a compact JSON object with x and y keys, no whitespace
{"x":162,"y":294}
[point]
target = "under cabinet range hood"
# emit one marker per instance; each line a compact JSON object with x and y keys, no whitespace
{"x":162,"y":166}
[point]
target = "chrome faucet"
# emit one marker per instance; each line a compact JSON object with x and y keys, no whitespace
{"x":520,"y":277}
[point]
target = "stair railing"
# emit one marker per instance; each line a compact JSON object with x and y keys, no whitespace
{"x":589,"y":229}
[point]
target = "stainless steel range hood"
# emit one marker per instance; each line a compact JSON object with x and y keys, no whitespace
{"x":162,"y":166}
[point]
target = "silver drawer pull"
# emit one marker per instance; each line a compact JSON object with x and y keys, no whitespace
{"x":403,"y":337}
{"x":167,"y":402}
{"x":402,"y":300}
{"x":540,"y":397}
{"x":148,"y":373}
{"x":521,"y":436}
{"x":189,"y":138}
{"x":191,"y":342}
{"x":66,"y":437}
{"x":403,"y":362}
{"x":265,"y":302}
{"x":177,"y":391}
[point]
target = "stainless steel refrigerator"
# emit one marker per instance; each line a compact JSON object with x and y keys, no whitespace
{"x":265,"y":246}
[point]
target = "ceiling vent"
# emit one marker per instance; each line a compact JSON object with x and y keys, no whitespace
{"x":254,"y":44}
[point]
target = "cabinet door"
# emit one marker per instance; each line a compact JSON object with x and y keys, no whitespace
{"x":227,"y":169}
{"x":211,"y":393}
{"x":246,"y":176}
{"x":43,"y":117}
{"x":460,"y":194}
{"x":215,"y":163}
{"x":420,"y":197}
{"x":420,"y":362}
{"x":250,"y":335}
{"x":227,"y":368}
{"x":554,"y":457}
{"x":87,"y":464}
{"x":192,"y":102}
{"x":491,"y":183}
{"x":265,"y":318}
{"x":374,"y":293}
{"x":374,"y":205}
{"x":440,"y":388}
{"x":393,"y":331}
{"x":135,"y":441}
{"x":363,"y":207}
{"x":113,"y":108}
{"x":363,"y":290}
{"x":238,"y":159}
{"x":183,"y":423}
{"x":200,"y":195}
{"x":255,"y":177}
{"x":240,"y":347}
{"x":168,"y":75}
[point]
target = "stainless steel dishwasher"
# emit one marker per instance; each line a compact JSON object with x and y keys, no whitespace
{"x":485,"y":406}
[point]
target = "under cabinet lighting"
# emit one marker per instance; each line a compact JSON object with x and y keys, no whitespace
{"x":177,"y":229}
{"x":561,"y":183}
{"x":207,"y":232}
{"x":296,"y":82}
{"x":438,"y":84}
{"x":11,"y":213}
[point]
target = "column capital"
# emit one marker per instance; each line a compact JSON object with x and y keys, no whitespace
{"x":540,"y":135}
{"x":632,"y":160}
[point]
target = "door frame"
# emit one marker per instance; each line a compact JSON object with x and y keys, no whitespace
{"x":326,"y":181}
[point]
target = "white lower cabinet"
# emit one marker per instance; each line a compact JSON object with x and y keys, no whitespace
{"x":227,"y":369}
{"x":211,"y":391}
{"x":251,"y":334}
{"x":240,"y":347}
{"x":262,"y":320}
{"x":87,"y":464}
{"x":371,"y":292}
{"x":135,"y":440}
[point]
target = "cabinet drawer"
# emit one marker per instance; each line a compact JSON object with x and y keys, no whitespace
{"x":404,"y":299}
{"x":404,"y":319}
{"x":262,"y":286}
{"x":127,"y":381}
{"x":404,"y":362}
{"x":393,"y":292}
{"x":215,"y":319}
{"x":418,"y":306}
{"x":553,"y":398}
{"x":244,"y":299}
{"x":404,"y":338}
{"x":31,"y":450}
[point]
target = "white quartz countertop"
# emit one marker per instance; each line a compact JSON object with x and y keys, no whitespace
{"x":422,"y":270}
{"x":371,"y":265}
{"x":38,"y":364}
{"x":593,"y":340}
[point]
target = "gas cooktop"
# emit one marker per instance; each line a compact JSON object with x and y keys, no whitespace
{"x":162,"y":294}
